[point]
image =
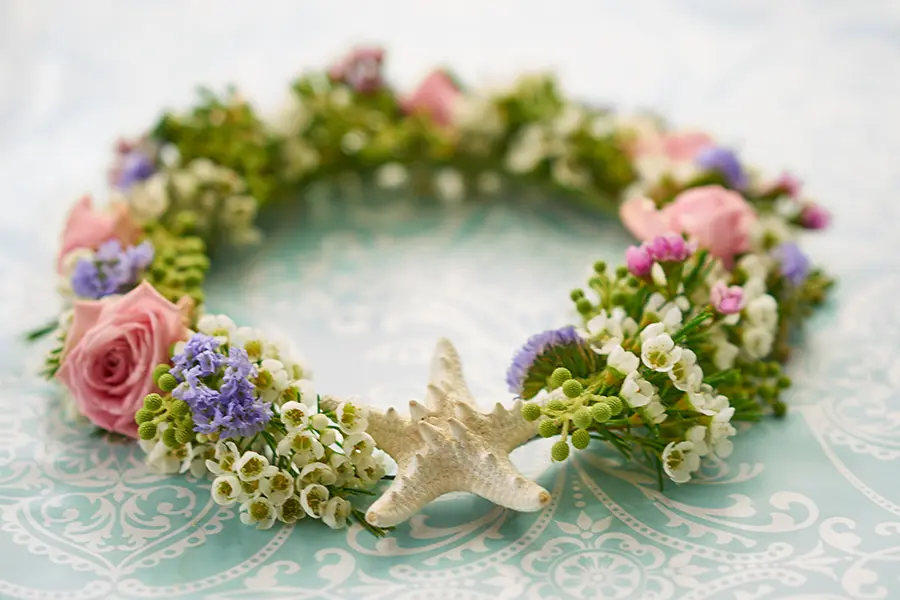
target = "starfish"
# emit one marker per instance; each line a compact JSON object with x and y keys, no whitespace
{"x":446,"y":445}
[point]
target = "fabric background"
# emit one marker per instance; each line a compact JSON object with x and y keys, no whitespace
{"x":808,"y":507}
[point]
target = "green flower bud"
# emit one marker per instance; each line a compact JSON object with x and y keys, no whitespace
{"x":768,"y":391}
{"x":618,"y":298}
{"x":557,"y":405}
{"x":167,"y":382}
{"x":581,"y":439}
{"x":583,"y":305}
{"x":576,"y":294}
{"x":531,"y":411}
{"x":622,"y":272}
{"x":572,"y":388}
{"x":159,"y":371}
{"x":780,"y":408}
{"x":179,"y":408}
{"x":559,"y":377}
{"x":143,"y":415}
{"x":615,"y":405}
{"x":147,"y":431}
{"x":193,"y":277}
{"x":182,"y":436}
{"x":168,"y":438}
{"x":548,"y":428}
{"x":583,"y":418}
{"x":601,"y":412}
{"x":153,"y":402}
{"x":600,"y":267}
{"x":560,"y":451}
{"x":192,"y":244}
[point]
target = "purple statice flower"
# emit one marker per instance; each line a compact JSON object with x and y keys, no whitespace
{"x":794,"y":263}
{"x":198,"y":359}
{"x":233,"y":409}
{"x":725,"y":161}
{"x":112,"y":270}
{"x":533,"y":348}
{"x":133,"y":164}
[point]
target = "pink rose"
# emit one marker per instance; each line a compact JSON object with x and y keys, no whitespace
{"x":677,"y":146}
{"x":89,"y":228}
{"x":111,"y":350}
{"x":435,"y":97}
{"x":717,"y":219}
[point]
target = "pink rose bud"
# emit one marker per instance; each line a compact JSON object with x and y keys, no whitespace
{"x":668,"y":248}
{"x":435,"y":97}
{"x":814,"y":216}
{"x":727,"y":300}
{"x":638,"y":261}
{"x":89,"y":228}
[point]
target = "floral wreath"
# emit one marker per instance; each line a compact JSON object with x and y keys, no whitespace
{"x":671,"y":349}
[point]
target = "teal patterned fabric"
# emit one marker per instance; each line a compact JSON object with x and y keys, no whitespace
{"x":807,"y":507}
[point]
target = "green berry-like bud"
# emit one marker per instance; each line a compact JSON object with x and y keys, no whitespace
{"x":143,"y":415}
{"x":581,"y":438}
{"x":560,"y":376}
{"x":583,"y":305}
{"x":167,"y":382}
{"x":548,"y":428}
{"x":780,"y":408}
{"x":147,"y":431}
{"x":622,"y":272}
{"x":615,"y":405}
{"x":572,"y":388}
{"x":531,"y":411}
{"x":179,"y":408}
{"x":600,"y":267}
{"x":768,"y":391}
{"x":159,"y":371}
{"x":560,"y":451}
{"x":153,"y":401}
{"x":168,"y":438}
{"x":576,"y":294}
{"x":183,"y":436}
{"x":784,"y":382}
{"x":583,"y":418}
{"x":618,"y":298}
{"x":600,"y":412}
{"x":193,"y":277}
{"x":557,"y":405}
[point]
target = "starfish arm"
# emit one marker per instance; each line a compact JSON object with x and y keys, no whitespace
{"x":414,"y":486}
{"x":393,"y":433}
{"x":447,"y":377}
{"x":508,"y":428}
{"x":497,"y":480}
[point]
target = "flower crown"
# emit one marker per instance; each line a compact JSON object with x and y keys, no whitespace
{"x":670,"y":350}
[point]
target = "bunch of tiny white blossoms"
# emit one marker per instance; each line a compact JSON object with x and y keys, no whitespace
{"x":239,"y":407}
{"x":662,"y":366}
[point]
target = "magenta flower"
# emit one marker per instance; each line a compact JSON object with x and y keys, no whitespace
{"x":727,"y":300}
{"x":360,"y":69}
{"x":638,"y":261}
{"x":814,"y":216}
{"x":787,"y":184}
{"x":668,"y":248}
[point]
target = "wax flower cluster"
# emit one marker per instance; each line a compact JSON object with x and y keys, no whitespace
{"x":238,"y":408}
{"x":671,"y":351}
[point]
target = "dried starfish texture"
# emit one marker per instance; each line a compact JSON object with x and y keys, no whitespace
{"x":446,"y":445}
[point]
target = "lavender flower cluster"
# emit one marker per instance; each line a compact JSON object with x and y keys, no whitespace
{"x":222,"y":401}
{"x":112,"y":270}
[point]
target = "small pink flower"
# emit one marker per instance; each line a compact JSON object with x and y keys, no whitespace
{"x":787,"y":184}
{"x":668,"y":248}
{"x":89,"y":228}
{"x":360,"y":69}
{"x":727,"y":300}
{"x":813,"y":216}
{"x":435,"y":97}
{"x":111,"y":350}
{"x":638,"y":261}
